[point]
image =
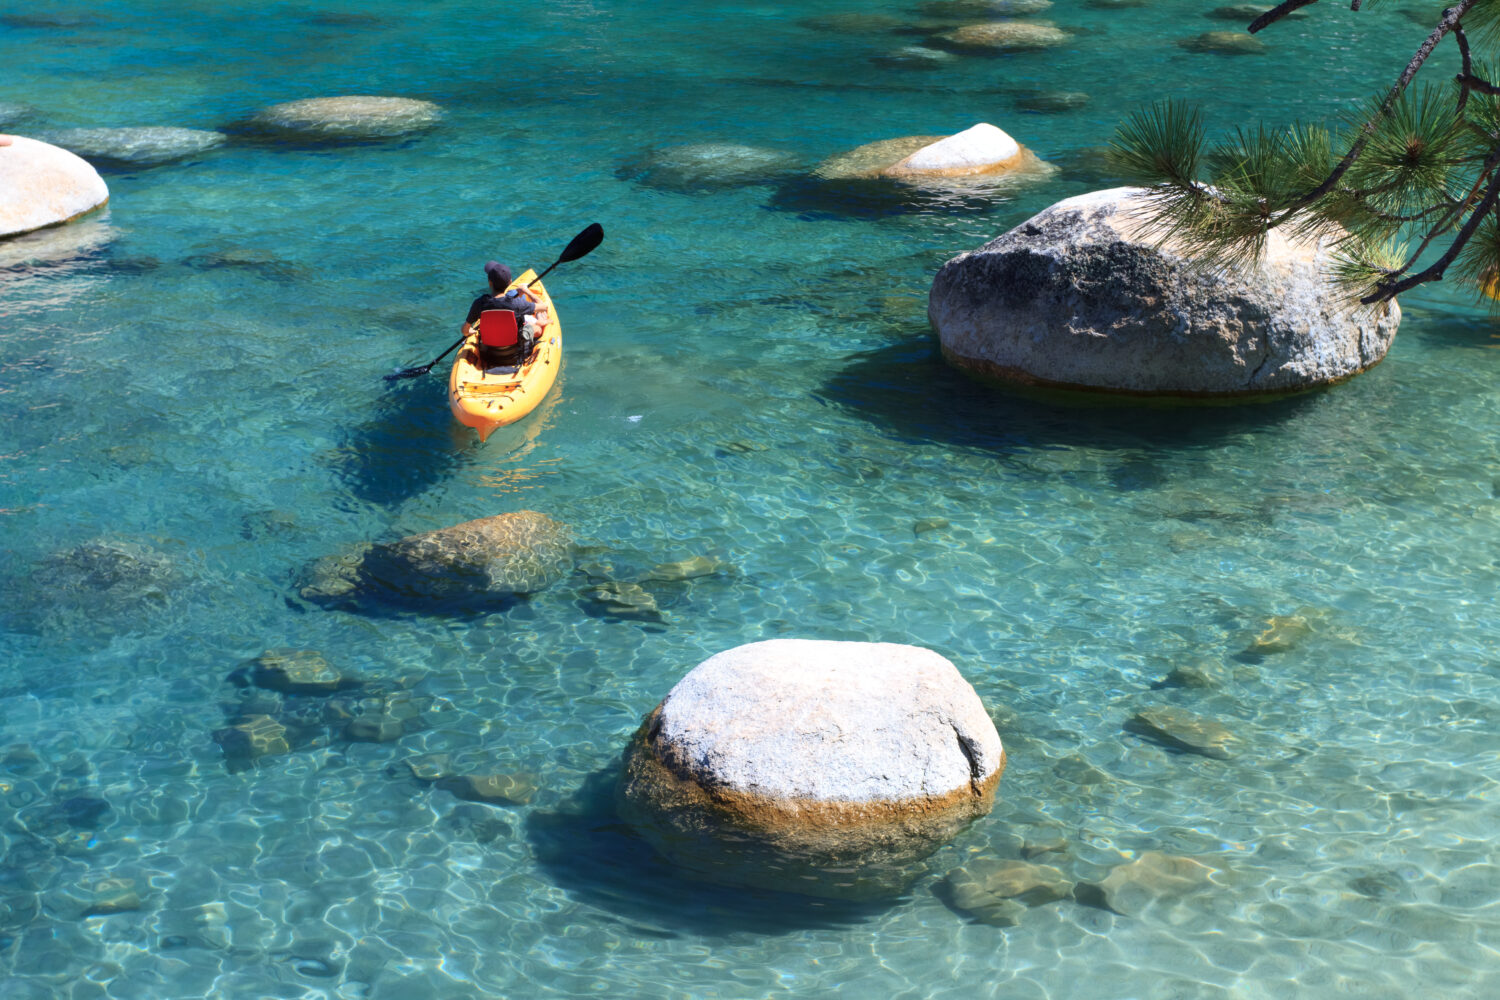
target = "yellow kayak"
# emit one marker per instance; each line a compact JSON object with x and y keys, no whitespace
{"x":486,"y":401}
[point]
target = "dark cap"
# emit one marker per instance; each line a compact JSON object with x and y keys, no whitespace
{"x":498,"y":272}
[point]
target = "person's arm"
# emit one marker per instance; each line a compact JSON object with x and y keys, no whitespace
{"x":466,"y":327}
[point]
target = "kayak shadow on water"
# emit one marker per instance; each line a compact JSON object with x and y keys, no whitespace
{"x":909,"y":389}
{"x":411,"y":443}
{"x":408,"y":445}
{"x":599,"y":859}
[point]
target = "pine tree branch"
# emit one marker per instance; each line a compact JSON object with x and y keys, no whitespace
{"x":1449,"y":21}
{"x":1447,"y":220}
{"x":1279,"y":11}
{"x":1384,"y":293}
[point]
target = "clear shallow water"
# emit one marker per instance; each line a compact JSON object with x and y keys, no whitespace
{"x":748,"y":376}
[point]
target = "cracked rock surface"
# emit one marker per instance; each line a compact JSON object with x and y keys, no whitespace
{"x":1081,"y":296}
{"x":780,"y":762}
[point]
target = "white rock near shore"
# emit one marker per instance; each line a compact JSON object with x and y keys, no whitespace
{"x":1082,"y":296}
{"x":982,"y":151}
{"x":42,"y":185}
{"x":821,"y":767}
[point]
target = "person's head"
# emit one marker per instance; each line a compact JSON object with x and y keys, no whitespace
{"x":498,"y":274}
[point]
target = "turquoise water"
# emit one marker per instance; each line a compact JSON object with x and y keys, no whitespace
{"x":189,"y":383}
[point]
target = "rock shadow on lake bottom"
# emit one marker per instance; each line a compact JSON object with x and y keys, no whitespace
{"x":908,"y":389}
{"x":599,"y":859}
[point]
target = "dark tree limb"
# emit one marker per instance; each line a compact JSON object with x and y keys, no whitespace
{"x":1468,"y":63}
{"x":1279,"y":11}
{"x":1470,"y":82}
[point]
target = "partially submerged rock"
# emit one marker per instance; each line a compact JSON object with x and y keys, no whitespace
{"x":1182,"y":730}
{"x":1224,"y":43}
{"x":686,"y":569}
{"x":1053,"y":101}
{"x":825,"y":768}
{"x":997,"y":37}
{"x":996,"y":892}
{"x":470,"y":563}
{"x":493,"y":789}
{"x":144,"y":146}
{"x":251,"y":737}
{"x":356,"y":117}
{"x":1281,"y":634}
{"x":11,"y":112}
{"x":1084,"y":295}
{"x":969,"y":9}
{"x":708,"y":165}
{"x":913,"y":57}
{"x":44,"y":185}
{"x":1152,"y":878}
{"x":109,"y":576}
{"x":617,"y":599}
{"x":297,"y":671}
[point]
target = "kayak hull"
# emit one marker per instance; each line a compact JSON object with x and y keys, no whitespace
{"x":486,"y":401}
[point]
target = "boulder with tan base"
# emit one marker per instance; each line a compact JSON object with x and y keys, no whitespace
{"x":42,"y":185}
{"x":824,"y":768}
{"x":982,"y":152}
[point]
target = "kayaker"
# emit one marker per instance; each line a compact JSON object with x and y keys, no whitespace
{"x":498,"y":298}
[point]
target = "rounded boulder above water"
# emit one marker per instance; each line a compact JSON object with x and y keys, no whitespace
{"x":1083,"y":296}
{"x":357,"y":117}
{"x":44,"y":185}
{"x":820,"y":767}
{"x":981,"y":152}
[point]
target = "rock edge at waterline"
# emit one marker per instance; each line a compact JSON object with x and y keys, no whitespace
{"x":44,"y":185}
{"x":1081,"y":296}
{"x":819,"y":767}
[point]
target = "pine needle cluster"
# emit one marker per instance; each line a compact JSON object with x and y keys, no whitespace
{"x":1412,"y":170}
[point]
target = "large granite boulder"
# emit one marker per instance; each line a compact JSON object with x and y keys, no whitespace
{"x":473,"y":562}
{"x":348,"y":118}
{"x":825,"y":768}
{"x":42,"y":185}
{"x":1083,"y":296}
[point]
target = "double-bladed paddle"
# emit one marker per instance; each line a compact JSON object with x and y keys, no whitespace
{"x":580,"y":245}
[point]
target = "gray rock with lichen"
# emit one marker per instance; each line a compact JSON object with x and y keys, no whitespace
{"x":1081,"y":296}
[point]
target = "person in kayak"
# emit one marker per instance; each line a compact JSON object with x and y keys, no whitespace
{"x":498,"y":298}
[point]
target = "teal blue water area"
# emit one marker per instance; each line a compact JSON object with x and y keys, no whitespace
{"x":191,"y":412}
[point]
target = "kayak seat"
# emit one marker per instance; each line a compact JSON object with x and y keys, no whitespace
{"x":497,"y":328}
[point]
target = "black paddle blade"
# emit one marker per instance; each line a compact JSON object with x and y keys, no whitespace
{"x":408,"y":373}
{"x":583,"y":243}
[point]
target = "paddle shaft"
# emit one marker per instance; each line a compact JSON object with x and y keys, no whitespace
{"x":581,"y":244}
